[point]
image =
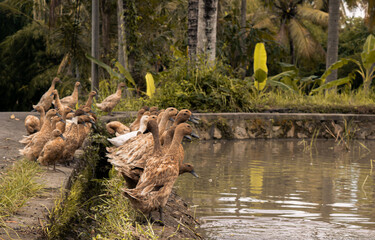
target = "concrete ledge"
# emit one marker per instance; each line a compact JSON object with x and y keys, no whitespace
{"x":276,"y":125}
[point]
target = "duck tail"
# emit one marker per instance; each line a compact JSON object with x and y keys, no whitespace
{"x":131,"y":194}
{"x":99,"y":105}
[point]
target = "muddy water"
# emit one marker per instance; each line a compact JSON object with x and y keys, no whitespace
{"x":281,"y":189}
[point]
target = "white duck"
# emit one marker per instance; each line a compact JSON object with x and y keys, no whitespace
{"x":120,"y":140}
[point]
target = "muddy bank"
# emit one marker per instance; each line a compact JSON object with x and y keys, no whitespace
{"x":28,"y":221}
{"x":59,"y":208}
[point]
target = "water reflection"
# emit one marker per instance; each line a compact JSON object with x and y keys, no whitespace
{"x":277,"y":181}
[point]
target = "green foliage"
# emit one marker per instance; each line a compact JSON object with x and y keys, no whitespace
{"x":17,"y":186}
{"x":27,"y":69}
{"x":205,"y":88}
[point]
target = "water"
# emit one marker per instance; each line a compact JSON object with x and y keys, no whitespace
{"x":280,"y":189}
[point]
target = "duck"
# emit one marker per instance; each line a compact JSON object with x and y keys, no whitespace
{"x":111,"y":101}
{"x":116,"y":127}
{"x":46,"y":100}
{"x":120,"y":140}
{"x":168,"y":113}
{"x":88,"y":103}
{"x":32,"y":150}
{"x":133,"y":170}
{"x":135,"y":125}
{"x":33,"y":123}
{"x":156,"y":182}
{"x":72,"y":100}
{"x":52,"y":150}
{"x":154,"y":110}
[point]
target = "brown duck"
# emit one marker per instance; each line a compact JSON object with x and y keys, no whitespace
{"x":33,"y":123}
{"x":112,"y":100}
{"x":72,"y":100}
{"x":90,"y":99}
{"x":52,"y":150}
{"x":46,"y":100}
{"x":156,"y":182}
{"x":116,"y":127}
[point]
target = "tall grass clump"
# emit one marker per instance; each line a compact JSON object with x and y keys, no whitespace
{"x":17,"y":186}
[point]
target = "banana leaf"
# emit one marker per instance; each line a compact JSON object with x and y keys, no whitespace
{"x":335,"y":83}
{"x":150,"y":85}
{"x":260,"y":66}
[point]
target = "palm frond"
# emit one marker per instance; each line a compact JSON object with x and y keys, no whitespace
{"x":282,"y":36}
{"x":314,"y":15}
{"x":305,"y":44}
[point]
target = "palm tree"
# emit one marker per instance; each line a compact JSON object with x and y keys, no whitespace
{"x":289,"y":18}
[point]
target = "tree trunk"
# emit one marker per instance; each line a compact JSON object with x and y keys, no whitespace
{"x":105,"y":11}
{"x":207,"y":22}
{"x":95,"y":44}
{"x":192,"y":28}
{"x":243,"y":14}
{"x":333,"y":37}
{"x":122,"y":53}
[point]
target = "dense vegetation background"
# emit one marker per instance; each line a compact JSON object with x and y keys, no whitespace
{"x":41,"y":39}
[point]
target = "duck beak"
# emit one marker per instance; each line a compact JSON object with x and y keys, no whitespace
{"x":188,"y":137}
{"x":84,"y":124}
{"x":194,"y":135}
{"x":91,"y":121}
{"x":62,"y":120}
{"x":62,"y":137}
{"x":51,"y":94}
{"x":194,"y":174}
{"x":91,"y":111}
{"x":193,"y":120}
{"x":146,"y":131}
{"x":58,"y":114}
{"x":33,"y":110}
{"x":171,"y":119}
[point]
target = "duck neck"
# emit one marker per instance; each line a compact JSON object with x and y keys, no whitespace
{"x":119,"y":91}
{"x":53,"y":85}
{"x":89,"y":101}
{"x":47,"y":123}
{"x":142,"y":127}
{"x":163,"y":122}
{"x":42,"y":116}
{"x":75,"y":92}
{"x":177,"y":139}
{"x":155,"y":135}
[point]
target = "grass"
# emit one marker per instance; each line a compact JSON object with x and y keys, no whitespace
{"x":17,"y":186}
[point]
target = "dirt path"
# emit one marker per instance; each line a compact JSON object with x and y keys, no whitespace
{"x":26,"y":223}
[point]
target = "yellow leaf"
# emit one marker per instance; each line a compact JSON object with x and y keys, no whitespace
{"x":12,"y":116}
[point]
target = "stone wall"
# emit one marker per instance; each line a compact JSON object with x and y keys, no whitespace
{"x":278,"y":125}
